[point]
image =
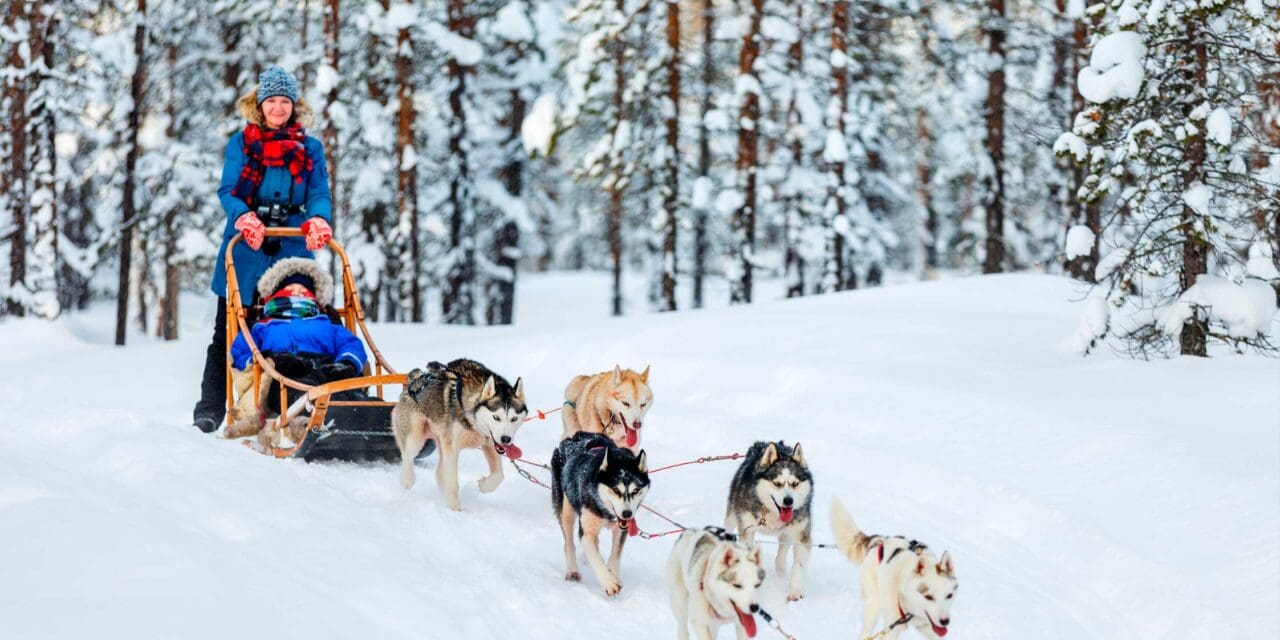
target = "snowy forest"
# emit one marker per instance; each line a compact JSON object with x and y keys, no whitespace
{"x":704,"y":146}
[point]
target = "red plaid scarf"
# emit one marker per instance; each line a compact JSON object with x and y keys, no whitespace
{"x":283,"y":147}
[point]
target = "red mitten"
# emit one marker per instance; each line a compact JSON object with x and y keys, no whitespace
{"x":318,"y":233}
{"x":251,"y":229}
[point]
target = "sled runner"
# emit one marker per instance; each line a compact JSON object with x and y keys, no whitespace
{"x":336,"y":429}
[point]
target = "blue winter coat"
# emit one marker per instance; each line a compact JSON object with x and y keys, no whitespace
{"x":300,"y":335}
{"x":313,"y":193}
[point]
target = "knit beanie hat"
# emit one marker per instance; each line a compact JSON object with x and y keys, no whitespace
{"x":275,"y":81}
{"x":298,"y":278}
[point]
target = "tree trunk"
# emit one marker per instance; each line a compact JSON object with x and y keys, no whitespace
{"x":130,"y":166}
{"x":836,"y":208}
{"x":458,"y":297}
{"x":16,"y":181}
{"x":45,"y":116}
{"x":792,"y":260}
{"x":616,"y":183}
{"x":1082,"y":267}
{"x":1195,"y":250}
{"x":167,"y":319}
{"x":924,"y":178}
{"x":506,"y":241}
{"x":744,"y":219}
{"x":331,"y":17}
{"x":995,"y":25}
{"x":704,"y":148}
{"x":406,"y":168}
{"x":671,"y":191}
{"x":232,"y":33}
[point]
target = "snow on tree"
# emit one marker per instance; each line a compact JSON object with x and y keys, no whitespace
{"x":1167,"y":83}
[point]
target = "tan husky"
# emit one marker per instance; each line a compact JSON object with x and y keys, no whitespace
{"x":612,"y":402}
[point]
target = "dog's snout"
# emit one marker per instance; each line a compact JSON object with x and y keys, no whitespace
{"x":506,"y":439}
{"x":945,"y":621}
{"x":787,"y":501}
{"x":626,"y":514}
{"x":755,"y":608}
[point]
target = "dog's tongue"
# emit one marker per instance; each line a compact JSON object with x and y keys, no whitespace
{"x":633,"y":436}
{"x":633,"y":529}
{"x":748,"y":623}
{"x":513,"y":452}
{"x":941,"y":631}
{"x":784,"y":514}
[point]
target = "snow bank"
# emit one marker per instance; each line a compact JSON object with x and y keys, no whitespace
{"x":1246,"y":310}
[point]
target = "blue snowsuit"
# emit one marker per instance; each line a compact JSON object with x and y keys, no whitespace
{"x":277,"y":187}
{"x":315,"y":335}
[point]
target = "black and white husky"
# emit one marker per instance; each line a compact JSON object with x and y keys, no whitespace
{"x":771,"y":494}
{"x":713,"y":580}
{"x":599,"y":485}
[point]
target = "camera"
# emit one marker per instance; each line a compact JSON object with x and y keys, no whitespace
{"x":275,"y":215}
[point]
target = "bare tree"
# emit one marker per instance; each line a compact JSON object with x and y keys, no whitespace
{"x":671,"y":188}
{"x":994,"y":25}
{"x":16,"y":180}
{"x":744,"y":219}
{"x":130,"y":170}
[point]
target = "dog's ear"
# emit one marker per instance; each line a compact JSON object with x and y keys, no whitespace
{"x":920,"y":566}
{"x":644,"y":377}
{"x":520,"y":389}
{"x":604,"y":461}
{"x":755,"y":554}
{"x":642,"y":462}
{"x":797,"y":455}
{"x":414,"y":375}
{"x":617,"y":374}
{"x":770,"y":456}
{"x":944,"y":565}
{"x":728,"y":557}
{"x":488,"y":390}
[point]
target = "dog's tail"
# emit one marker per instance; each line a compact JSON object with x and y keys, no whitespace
{"x":557,"y":491}
{"x":851,"y":540}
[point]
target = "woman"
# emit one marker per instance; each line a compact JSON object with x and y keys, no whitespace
{"x":273,"y":174}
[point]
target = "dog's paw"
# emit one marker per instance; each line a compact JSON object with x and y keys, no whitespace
{"x":407,"y":479}
{"x":611,"y":586}
{"x":795,"y":594}
{"x":573,"y":576}
{"x":453,"y":503}
{"x":489,"y":483}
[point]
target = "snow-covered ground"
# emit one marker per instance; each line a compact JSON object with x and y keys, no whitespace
{"x":1080,"y":498}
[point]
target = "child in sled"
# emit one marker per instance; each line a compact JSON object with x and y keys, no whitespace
{"x":299,"y":339}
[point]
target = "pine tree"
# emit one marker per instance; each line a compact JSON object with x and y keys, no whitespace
{"x":1162,"y":141}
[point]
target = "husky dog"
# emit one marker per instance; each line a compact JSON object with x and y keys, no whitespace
{"x":613,"y":403}
{"x":771,"y":493}
{"x":713,"y":580}
{"x":902,"y":581}
{"x":601,"y":486}
{"x":461,"y":405}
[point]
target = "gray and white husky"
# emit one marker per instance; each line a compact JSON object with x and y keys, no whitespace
{"x":902,"y":581}
{"x":713,"y":580}
{"x":461,"y":405}
{"x":771,"y":494}
{"x":598,"y":485}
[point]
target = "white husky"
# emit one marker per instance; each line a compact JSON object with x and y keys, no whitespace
{"x":713,"y":581}
{"x":901,"y":580}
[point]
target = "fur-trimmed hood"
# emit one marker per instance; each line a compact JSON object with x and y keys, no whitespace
{"x":250,"y":110}
{"x":272,"y":277}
